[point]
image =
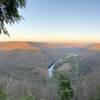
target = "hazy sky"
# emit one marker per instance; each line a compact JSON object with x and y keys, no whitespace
{"x":58,"y":21}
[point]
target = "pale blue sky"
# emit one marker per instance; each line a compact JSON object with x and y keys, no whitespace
{"x":57,"y":21}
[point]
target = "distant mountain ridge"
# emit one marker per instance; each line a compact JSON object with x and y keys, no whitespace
{"x":9,"y":46}
{"x":95,"y":46}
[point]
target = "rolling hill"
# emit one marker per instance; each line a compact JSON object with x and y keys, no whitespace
{"x":25,"y":65}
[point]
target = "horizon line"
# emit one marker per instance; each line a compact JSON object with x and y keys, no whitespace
{"x":50,"y":42}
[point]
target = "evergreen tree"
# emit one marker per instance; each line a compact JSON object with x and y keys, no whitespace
{"x":9,"y":13}
{"x":3,"y":94}
{"x":28,"y":98}
{"x":65,"y":91}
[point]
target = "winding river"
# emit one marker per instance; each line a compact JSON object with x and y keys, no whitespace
{"x":50,"y":69}
{"x":51,"y":66}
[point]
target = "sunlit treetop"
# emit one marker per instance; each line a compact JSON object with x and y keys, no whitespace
{"x":9,"y":13}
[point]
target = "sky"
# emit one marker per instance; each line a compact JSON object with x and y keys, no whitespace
{"x":57,"y":21}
